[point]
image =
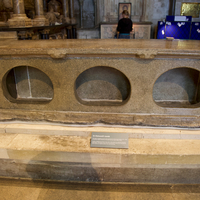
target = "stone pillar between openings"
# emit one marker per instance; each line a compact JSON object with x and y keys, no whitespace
{"x":19,"y":18}
{"x":172,"y":4}
{"x":81,"y":13}
{"x":104,"y":11}
{"x":39,"y":19}
{"x":95,"y":13}
{"x":45,"y":6}
{"x":71,"y":13}
{"x":143,"y":11}
{"x":66,"y":11}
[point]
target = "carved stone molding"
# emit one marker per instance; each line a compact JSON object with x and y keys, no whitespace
{"x":146,"y":54}
{"x":57,"y":54}
{"x":66,"y":11}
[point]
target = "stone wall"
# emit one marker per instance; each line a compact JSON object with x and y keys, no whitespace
{"x":107,"y":11}
{"x":154,"y":11}
{"x":88,"y":18}
{"x":111,"y":10}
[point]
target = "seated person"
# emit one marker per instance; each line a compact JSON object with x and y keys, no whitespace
{"x":124,"y":26}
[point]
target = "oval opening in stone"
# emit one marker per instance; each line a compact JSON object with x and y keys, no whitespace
{"x":178,"y":88}
{"x":102,"y":86}
{"x":26,"y":83}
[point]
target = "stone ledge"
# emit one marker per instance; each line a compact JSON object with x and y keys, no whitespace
{"x":105,"y":47}
{"x":70,"y":158}
{"x":136,"y":132}
{"x":80,"y":144}
{"x":89,"y":172}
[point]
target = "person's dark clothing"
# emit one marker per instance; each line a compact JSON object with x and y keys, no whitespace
{"x":124,"y":25}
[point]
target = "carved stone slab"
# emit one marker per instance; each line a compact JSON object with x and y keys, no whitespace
{"x":108,"y":31}
{"x":142,"y":31}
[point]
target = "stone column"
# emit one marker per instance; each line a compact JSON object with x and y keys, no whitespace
{"x":104,"y":11}
{"x":69,"y":32}
{"x":137,"y":10}
{"x":98,"y":11}
{"x":39,"y":8}
{"x":95,"y":13}
{"x":143,"y":11}
{"x":172,"y":4}
{"x":71,"y":11}
{"x":19,"y":18}
{"x":45,"y":34}
{"x":66,"y":11}
{"x":81,"y":13}
{"x":45,"y":6}
{"x":39,"y":20}
{"x":18,"y":7}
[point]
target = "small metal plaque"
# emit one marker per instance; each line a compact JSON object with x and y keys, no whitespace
{"x":109,"y":140}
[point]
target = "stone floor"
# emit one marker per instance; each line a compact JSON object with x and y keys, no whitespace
{"x":15,"y":189}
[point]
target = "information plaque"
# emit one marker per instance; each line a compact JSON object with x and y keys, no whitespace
{"x":109,"y":140}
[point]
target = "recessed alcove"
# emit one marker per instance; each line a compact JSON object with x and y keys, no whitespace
{"x":178,"y":88}
{"x":102,"y":85}
{"x":25,"y":83}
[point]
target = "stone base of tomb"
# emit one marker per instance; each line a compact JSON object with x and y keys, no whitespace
{"x":3,"y":24}
{"x":57,"y":152}
{"x":8,"y":35}
{"x":19,"y":20}
{"x":150,"y":87}
{"x":40,"y":21}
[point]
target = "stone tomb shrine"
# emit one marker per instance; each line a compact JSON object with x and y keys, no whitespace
{"x":148,"y":85}
{"x":142,"y":82}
